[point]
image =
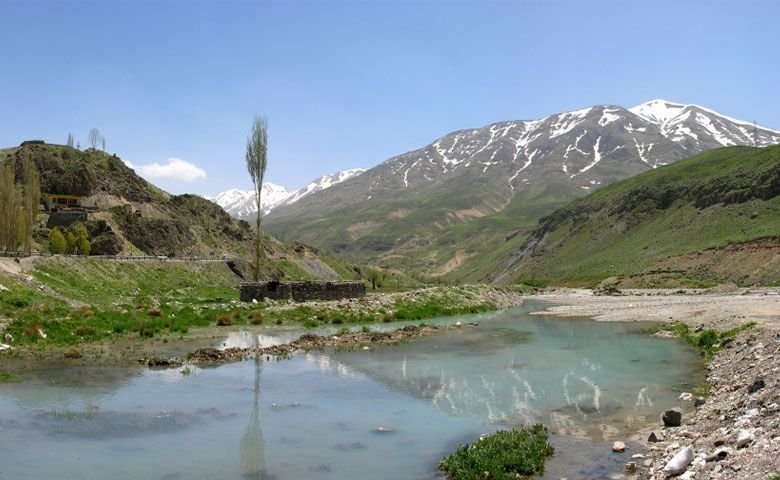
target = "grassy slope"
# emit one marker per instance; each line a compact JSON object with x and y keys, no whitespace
{"x":718,"y":198}
{"x":150,"y":220}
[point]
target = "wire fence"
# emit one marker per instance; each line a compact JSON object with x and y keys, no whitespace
{"x":123,"y":258}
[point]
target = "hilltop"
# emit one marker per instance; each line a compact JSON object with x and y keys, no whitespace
{"x":461,"y":204}
{"x":711,"y":219}
{"x":140,"y":219}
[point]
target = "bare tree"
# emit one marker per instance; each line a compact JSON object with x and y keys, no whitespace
{"x":256,"y":163}
{"x":94,"y":137}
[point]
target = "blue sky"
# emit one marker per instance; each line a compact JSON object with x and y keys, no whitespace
{"x":351,"y":83}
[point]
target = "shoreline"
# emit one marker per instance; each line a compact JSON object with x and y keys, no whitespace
{"x":735,"y":433}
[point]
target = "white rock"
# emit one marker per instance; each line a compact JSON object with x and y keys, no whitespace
{"x":688,"y":475}
{"x":686,"y":397}
{"x":744,"y":437}
{"x":366,"y":348}
{"x":618,"y":446}
{"x":9,"y":338}
{"x":753,"y":412}
{"x":679,"y":462}
{"x":3,"y":289}
{"x":254,"y":300}
{"x":3,"y":346}
{"x":458,"y":324}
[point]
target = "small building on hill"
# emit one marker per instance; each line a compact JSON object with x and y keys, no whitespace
{"x":54,"y":202}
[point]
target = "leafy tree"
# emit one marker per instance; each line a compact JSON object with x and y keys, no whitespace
{"x":70,"y":140}
{"x":57,"y":242}
{"x":256,"y":163}
{"x":83,"y":245}
{"x":94,"y":137}
{"x":71,"y":242}
{"x":31,"y":199}
{"x":10,"y":208}
{"x":376,"y":277}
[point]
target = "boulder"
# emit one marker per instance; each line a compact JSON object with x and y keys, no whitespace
{"x":679,"y":462}
{"x":672,"y":418}
{"x":618,"y":446}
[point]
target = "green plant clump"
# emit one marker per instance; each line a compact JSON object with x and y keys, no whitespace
{"x":502,"y":455}
{"x":708,"y":340}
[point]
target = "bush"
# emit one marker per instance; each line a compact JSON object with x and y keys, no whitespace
{"x":153,"y":312}
{"x":309,"y":324}
{"x":224,"y":321}
{"x":503,"y":455}
{"x":72,"y":352}
{"x":256,"y":318}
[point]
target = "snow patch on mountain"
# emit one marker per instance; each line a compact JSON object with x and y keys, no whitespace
{"x":242,"y":204}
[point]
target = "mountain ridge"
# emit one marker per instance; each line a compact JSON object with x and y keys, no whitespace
{"x":459,"y":204}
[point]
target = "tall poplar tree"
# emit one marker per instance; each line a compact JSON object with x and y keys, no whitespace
{"x":256,"y":163}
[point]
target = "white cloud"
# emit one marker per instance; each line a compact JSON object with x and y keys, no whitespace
{"x":176,"y":169}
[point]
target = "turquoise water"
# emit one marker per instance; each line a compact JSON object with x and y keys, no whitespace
{"x":321,"y":415}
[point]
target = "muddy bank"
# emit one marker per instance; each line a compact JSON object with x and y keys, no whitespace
{"x":735,"y":432}
{"x":306,"y":342}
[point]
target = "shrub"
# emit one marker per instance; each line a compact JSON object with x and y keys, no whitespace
{"x":387,"y":318}
{"x":153,"y":312}
{"x":86,"y":330}
{"x":503,"y":455}
{"x":309,"y":323}
{"x":236,"y":314}
{"x":224,"y":321}
{"x":72,"y":352}
{"x":256,"y":318}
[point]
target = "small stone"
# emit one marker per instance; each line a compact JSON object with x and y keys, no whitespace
{"x":744,"y":437}
{"x":719,"y":441}
{"x":656,"y":436}
{"x":618,"y":446}
{"x":672,"y":418}
{"x":688,"y":475}
{"x":631,"y":467}
{"x":699,"y":401}
{"x":686,"y":397}
{"x":719,"y":455}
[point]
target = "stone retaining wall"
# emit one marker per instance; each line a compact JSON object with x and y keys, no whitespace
{"x":301,"y":291}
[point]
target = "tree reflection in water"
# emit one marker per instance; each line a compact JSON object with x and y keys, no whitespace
{"x":252,"y":443}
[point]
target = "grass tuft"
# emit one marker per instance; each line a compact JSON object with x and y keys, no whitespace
{"x":502,"y":455}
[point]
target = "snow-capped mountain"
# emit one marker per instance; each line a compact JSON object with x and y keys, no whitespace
{"x":413,"y":209}
{"x":242,"y":204}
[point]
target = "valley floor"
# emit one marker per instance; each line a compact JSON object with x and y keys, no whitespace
{"x":743,"y":377}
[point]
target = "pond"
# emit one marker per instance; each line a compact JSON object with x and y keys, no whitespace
{"x":385,"y":413}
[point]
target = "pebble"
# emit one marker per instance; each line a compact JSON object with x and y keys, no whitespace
{"x":686,"y":397}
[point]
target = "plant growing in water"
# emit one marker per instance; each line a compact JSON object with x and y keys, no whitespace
{"x":502,"y":455}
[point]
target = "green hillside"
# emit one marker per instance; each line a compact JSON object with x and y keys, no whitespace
{"x":712,"y":218}
{"x":140,"y":219}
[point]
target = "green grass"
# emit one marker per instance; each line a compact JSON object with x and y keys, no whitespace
{"x":502,"y":455}
{"x":721,"y":197}
{"x":6,"y":377}
{"x":708,"y":340}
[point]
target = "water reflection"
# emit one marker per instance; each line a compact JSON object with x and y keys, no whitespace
{"x":578,"y":377}
{"x":252,"y":442}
